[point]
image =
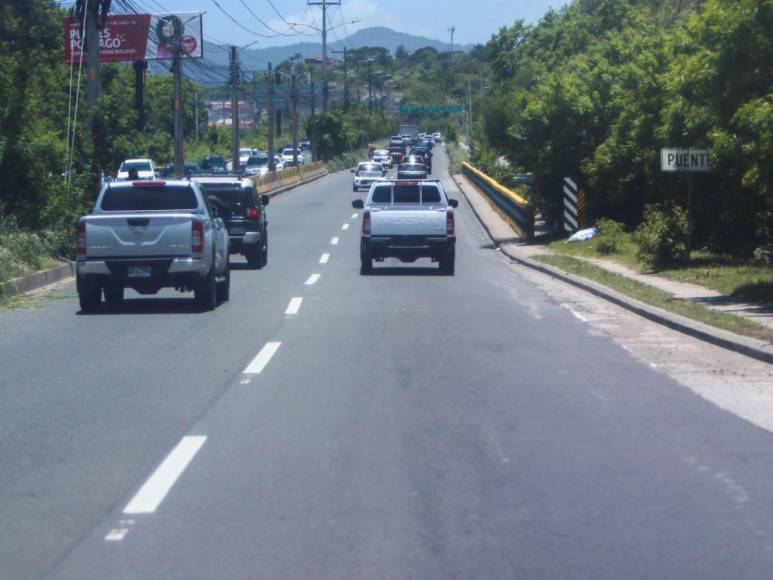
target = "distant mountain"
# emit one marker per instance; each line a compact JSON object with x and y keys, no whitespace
{"x":258,"y":58}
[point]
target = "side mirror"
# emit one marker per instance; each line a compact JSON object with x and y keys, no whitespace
{"x":358,"y":204}
{"x":351,"y":171}
{"x":264,"y":199}
{"x":453,"y":203}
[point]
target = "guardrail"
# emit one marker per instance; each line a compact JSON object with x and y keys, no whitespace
{"x":278,"y":179}
{"x":515,"y":209}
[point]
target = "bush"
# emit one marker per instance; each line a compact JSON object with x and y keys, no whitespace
{"x":662,"y":237}
{"x":608,"y":240}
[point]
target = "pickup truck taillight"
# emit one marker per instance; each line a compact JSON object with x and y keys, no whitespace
{"x":450,"y":223}
{"x":80,"y":239}
{"x":366,"y":223}
{"x":253,"y":213}
{"x":197,"y":236}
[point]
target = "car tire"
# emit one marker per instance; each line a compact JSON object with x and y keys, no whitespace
{"x":264,"y":250}
{"x":113,"y":293}
{"x":447,"y":262}
{"x":205,"y":293}
{"x":90,"y":300}
{"x":224,"y":288}
{"x":354,"y":188}
{"x":366,"y":263}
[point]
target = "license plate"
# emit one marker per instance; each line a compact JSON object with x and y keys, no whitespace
{"x":236,"y":230}
{"x":139,"y":272}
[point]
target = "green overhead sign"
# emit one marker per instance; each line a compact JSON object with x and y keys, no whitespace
{"x":406,"y":108}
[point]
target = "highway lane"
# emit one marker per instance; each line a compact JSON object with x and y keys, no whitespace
{"x":407,"y":424}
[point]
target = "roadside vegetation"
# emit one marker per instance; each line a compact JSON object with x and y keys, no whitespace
{"x":656,"y":297}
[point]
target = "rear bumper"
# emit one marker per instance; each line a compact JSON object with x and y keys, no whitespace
{"x":407,"y":247}
{"x":179,"y":272}
{"x":243,"y":242}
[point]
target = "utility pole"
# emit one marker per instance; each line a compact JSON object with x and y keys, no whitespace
{"x":324,"y":4}
{"x":179,"y":163}
{"x":140,"y":66}
{"x":196,"y":113}
{"x":235,"y":108}
{"x":357,"y":80}
{"x":451,"y":30}
{"x":346,"y":75}
{"x":469,"y":109}
{"x":270,"y":118}
{"x":370,"y":84}
{"x":294,"y":101}
{"x":92,"y":57}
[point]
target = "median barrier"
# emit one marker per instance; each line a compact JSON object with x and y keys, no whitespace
{"x":279,"y":179}
{"x":515,"y":209}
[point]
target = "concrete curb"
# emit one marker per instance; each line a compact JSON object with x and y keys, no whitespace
{"x":750,"y":347}
{"x":37,"y":280}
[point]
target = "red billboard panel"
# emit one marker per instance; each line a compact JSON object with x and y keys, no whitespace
{"x":123,"y":38}
{"x":130,"y":37}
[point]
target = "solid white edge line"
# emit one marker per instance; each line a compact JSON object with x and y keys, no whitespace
{"x":153,"y":492}
{"x":261,"y":360}
{"x":312,"y":279}
{"x":345,"y":227}
{"x":324,"y":258}
{"x":578,"y":316}
{"x":334,"y":241}
{"x":294,"y":306}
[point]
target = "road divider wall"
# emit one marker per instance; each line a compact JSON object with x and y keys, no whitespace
{"x":280,"y":179}
{"x":518,"y":211}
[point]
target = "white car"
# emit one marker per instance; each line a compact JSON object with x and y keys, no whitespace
{"x":256,"y":165}
{"x":245,"y":153}
{"x":383,"y":156}
{"x":367,"y":172}
{"x":279,"y":162}
{"x":145,"y":168}
{"x":287,"y":155}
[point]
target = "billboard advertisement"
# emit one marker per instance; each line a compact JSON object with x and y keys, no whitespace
{"x":129,"y":37}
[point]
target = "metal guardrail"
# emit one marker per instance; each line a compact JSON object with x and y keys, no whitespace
{"x":515,"y":209}
{"x":279,"y":179}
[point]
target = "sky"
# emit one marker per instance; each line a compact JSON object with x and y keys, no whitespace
{"x":475,"y":21}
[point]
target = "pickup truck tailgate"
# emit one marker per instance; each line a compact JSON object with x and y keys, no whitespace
{"x":138,"y":235}
{"x":408,"y":222}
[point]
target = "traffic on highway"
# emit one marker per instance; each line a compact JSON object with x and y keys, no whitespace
{"x":287,"y":293}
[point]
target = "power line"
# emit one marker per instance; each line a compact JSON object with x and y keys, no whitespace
{"x":290,"y":24}
{"x":278,"y":33}
{"x":239,"y":24}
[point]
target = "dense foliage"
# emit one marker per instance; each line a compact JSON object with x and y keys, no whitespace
{"x":595,"y":90}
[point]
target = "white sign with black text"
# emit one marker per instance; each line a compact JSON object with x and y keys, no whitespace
{"x":685,"y":160}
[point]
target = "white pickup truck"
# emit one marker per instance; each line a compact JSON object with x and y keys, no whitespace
{"x":148,"y":235}
{"x":407,"y":220}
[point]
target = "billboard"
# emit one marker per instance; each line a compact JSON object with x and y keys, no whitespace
{"x":129,"y":37}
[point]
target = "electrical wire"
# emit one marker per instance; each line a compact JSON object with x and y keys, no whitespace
{"x":75,"y":115}
{"x":256,"y":17}
{"x":290,"y":24}
{"x":239,"y":24}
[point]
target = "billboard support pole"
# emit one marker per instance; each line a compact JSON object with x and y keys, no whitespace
{"x":179,"y":163}
{"x":92,"y":57}
{"x":139,"y":91}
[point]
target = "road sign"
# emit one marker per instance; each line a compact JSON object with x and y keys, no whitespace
{"x":408,"y":108}
{"x":685,"y":160}
{"x":574,"y":206}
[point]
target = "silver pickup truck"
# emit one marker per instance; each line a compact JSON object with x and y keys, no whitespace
{"x":407,"y":219}
{"x":148,"y":235}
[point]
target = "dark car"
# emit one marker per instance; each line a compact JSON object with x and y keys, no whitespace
{"x":411,"y":171}
{"x":244,"y":213}
{"x":213,"y":164}
{"x":190,"y":168}
{"x":423,"y":154}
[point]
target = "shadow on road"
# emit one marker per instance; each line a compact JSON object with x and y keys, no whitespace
{"x":403,"y":271}
{"x":184,"y":305}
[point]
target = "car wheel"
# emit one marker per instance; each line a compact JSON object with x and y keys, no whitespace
{"x":224,"y":288}
{"x":366,"y":263}
{"x":113,"y":293}
{"x":447,"y":262}
{"x":205,"y":293}
{"x":253,"y":257}
{"x":264,"y":250}
{"x":354,"y":188}
{"x":90,"y":300}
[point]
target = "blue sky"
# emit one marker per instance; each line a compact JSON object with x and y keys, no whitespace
{"x":475,"y":21}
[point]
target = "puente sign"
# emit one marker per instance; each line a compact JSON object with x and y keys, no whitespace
{"x":685,"y":160}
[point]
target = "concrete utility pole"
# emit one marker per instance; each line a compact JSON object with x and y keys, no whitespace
{"x":271,"y":118}
{"x":140,"y":66}
{"x":451,"y":30}
{"x":346,"y":75}
{"x":370,"y":84}
{"x":92,"y":58}
{"x":196,"y":113}
{"x":235,"y":108}
{"x":179,"y":163}
{"x":325,"y":4}
{"x":294,"y":101}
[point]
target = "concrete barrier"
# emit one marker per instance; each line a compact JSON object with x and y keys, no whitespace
{"x":280,"y":179}
{"x":515,"y":209}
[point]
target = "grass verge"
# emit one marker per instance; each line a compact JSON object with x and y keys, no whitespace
{"x":23,"y":253}
{"x":737,"y":278}
{"x":456,"y":156}
{"x":656,"y":297}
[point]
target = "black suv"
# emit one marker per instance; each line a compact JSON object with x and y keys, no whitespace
{"x":244,"y":213}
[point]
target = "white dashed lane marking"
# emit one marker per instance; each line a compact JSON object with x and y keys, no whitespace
{"x":334,"y":242}
{"x":312,"y":279}
{"x":150,"y":495}
{"x":261,"y":360}
{"x":355,"y":216}
{"x":345,"y":227}
{"x":294,"y":306}
{"x":324,"y":259}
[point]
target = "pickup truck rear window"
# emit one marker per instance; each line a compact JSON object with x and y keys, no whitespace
{"x":140,"y":198}
{"x":415,"y":194}
{"x":406,"y":194}
{"x":228,"y":193}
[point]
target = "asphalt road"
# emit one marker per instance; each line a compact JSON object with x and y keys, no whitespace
{"x":400,"y":425}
